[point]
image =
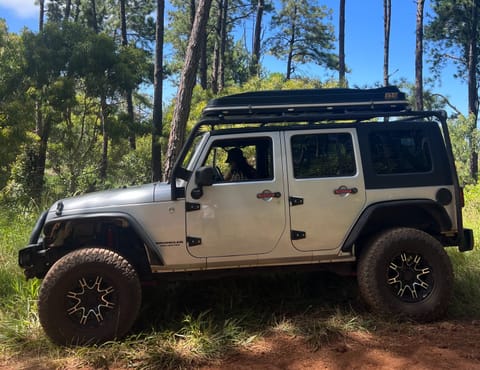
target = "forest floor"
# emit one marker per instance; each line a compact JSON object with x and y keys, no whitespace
{"x":441,"y":345}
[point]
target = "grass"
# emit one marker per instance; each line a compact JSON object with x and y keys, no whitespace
{"x":188,"y":324}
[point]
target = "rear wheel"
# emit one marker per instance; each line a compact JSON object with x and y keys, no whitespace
{"x":89,"y":296}
{"x":406,"y":272}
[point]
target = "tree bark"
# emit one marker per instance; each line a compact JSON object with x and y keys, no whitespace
{"x":473,"y":91}
{"x":255,"y":63}
{"x":68,"y":7}
{"x":77,"y":11}
{"x":216,"y":48}
{"x":39,"y":159}
{"x":291,"y":44}
{"x":94,"y":16}
{"x":104,"y":161}
{"x":193,"y":9}
{"x":387,"y":12}
{"x":419,"y":56}
{"x":187,"y":82}
{"x":203,"y":69}
{"x":38,"y":155}
{"x":158,"y":94}
{"x":41,"y":15}
{"x":128,"y":92}
{"x":223,"y":46}
{"x":341,"y":45}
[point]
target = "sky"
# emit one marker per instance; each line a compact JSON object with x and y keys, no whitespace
{"x":363,"y":44}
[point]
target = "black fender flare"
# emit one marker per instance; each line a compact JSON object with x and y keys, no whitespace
{"x":435,"y":210}
{"x":137,"y":228}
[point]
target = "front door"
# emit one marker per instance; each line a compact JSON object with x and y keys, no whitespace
{"x":243,"y":212}
{"x":327,"y":191}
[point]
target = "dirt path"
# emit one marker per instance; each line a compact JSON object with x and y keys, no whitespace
{"x":444,"y":345}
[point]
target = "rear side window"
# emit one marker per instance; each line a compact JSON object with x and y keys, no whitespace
{"x":400,"y":152}
{"x":323,"y":155}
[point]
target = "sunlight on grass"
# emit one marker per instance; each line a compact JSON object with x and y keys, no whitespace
{"x":466,"y":298}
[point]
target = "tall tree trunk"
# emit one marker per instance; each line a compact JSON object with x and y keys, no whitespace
{"x":290,"y":53}
{"x":38,"y":154}
{"x":41,"y":15}
{"x":68,"y":8}
{"x":128,"y":92}
{"x":185,"y":88}
{"x":291,"y":44}
{"x":419,"y":57}
{"x":216,"y":48}
{"x":39,"y":159}
{"x":387,"y":13}
{"x":158,"y":94}
{"x":203,"y":69}
{"x":255,"y":63}
{"x":193,"y":9}
{"x":473,"y":91}
{"x":104,"y":161}
{"x":341,"y":45}
{"x":223,"y":46}
{"x":94,"y":16}
{"x":77,"y":11}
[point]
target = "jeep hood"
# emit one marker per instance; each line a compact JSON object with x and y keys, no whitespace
{"x":113,"y":199}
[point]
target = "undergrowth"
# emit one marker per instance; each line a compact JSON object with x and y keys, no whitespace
{"x":187,"y":324}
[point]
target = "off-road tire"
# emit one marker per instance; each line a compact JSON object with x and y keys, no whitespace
{"x":406,"y":272}
{"x":89,"y":296}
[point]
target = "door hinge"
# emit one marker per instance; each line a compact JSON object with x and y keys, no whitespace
{"x":295,"y":234}
{"x":295,"y":201}
{"x":189,"y":207}
{"x":192,"y":241}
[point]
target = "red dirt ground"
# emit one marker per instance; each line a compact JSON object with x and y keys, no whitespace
{"x":443,"y":345}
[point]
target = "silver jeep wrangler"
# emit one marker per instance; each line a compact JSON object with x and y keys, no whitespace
{"x":344,"y":179}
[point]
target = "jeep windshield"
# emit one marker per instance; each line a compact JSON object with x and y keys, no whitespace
{"x":191,"y":156}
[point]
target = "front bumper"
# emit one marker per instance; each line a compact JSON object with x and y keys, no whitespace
{"x":34,"y":260}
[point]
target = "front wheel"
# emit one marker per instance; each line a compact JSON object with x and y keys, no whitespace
{"x":89,"y":296}
{"x":408,"y":273}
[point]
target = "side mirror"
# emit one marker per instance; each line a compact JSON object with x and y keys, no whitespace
{"x":204,"y":176}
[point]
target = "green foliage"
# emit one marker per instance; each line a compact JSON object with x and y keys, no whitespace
{"x":15,"y":106}
{"x":302,"y":36}
{"x":236,"y":55}
{"x":449,"y":32}
{"x":466,"y":299}
{"x":131,"y":167}
{"x":18,"y":319}
{"x":465,"y":138}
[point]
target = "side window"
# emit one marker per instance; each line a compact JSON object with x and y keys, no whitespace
{"x":241,"y":159}
{"x":400,"y":151}
{"x":323,"y":155}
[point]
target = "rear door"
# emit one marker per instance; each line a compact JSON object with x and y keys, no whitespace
{"x":326,"y":187}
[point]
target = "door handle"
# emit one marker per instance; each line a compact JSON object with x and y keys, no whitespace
{"x":343,"y":190}
{"x":267,"y":194}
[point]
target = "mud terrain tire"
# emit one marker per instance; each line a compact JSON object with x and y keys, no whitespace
{"x":89,"y":296}
{"x":406,"y":272}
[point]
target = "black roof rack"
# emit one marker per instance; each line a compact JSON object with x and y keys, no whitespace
{"x":337,"y":100}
